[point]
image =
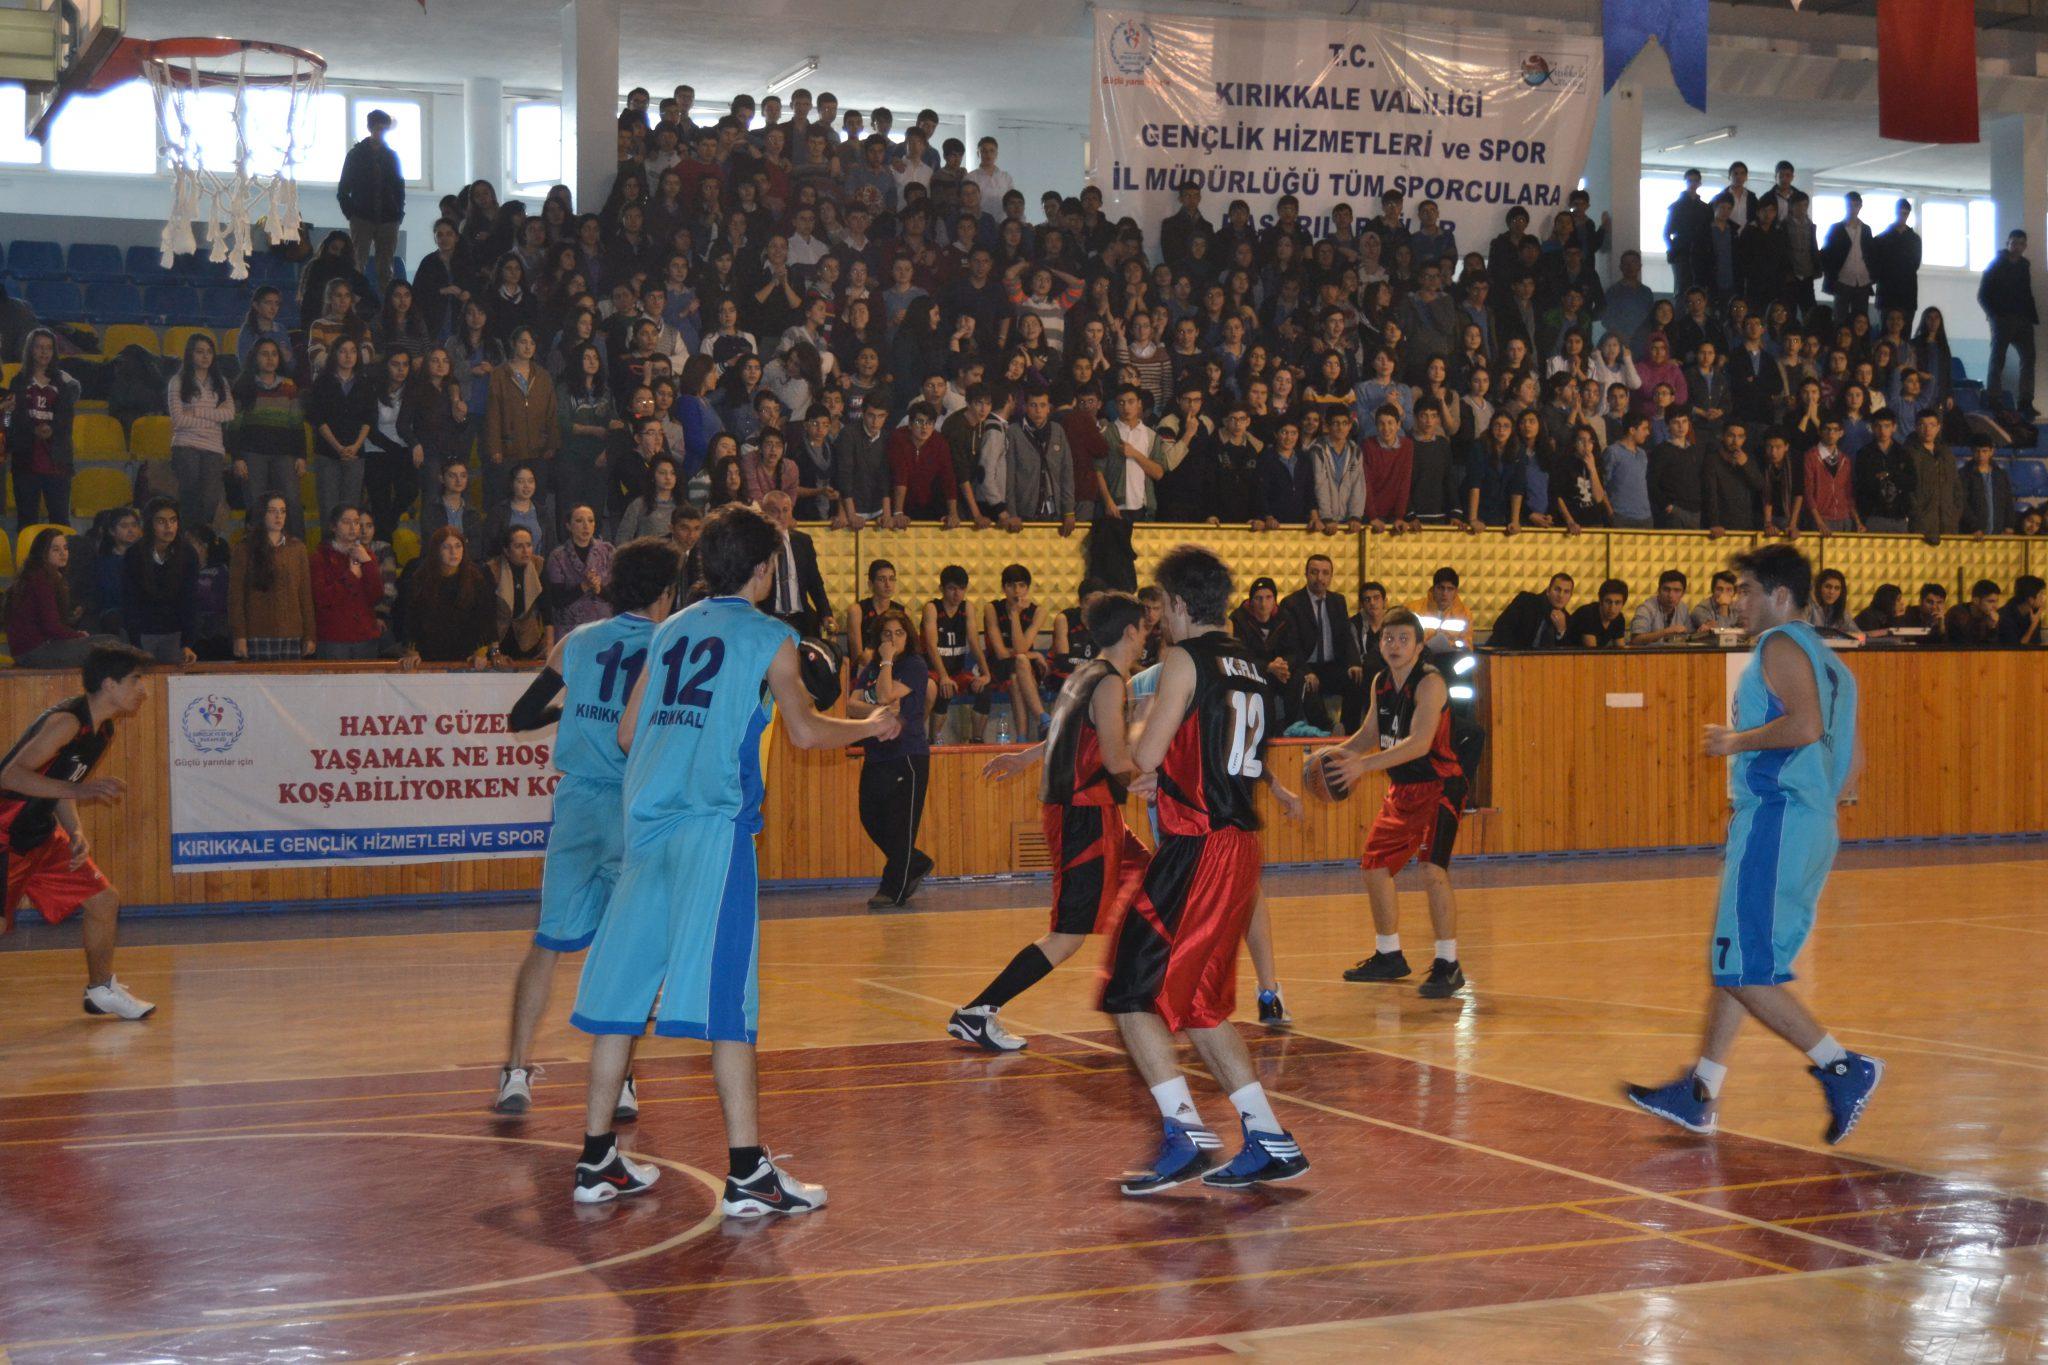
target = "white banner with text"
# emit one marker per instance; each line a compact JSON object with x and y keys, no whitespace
{"x":289,"y":770}
{"x":1339,"y":111}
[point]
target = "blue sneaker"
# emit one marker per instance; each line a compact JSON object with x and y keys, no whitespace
{"x":1684,"y":1102}
{"x":1267,"y":1158}
{"x":1848,"y":1084}
{"x":1183,"y":1155}
{"x":1273,"y":1011}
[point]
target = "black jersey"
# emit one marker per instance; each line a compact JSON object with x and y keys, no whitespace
{"x":1080,"y":644}
{"x":1027,"y":627}
{"x":29,"y":820}
{"x":1219,"y":753}
{"x":1394,"y":708}
{"x":1072,"y":773}
{"x":955,"y":658}
{"x":871,"y":621}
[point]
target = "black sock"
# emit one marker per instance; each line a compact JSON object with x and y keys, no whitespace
{"x":745,"y":1160}
{"x":597,"y":1148}
{"x":1026,"y":970}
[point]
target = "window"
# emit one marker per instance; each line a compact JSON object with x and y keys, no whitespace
{"x":1654,"y":205}
{"x":112,"y":133}
{"x":16,"y":148}
{"x":1944,"y":233}
{"x":536,"y":144}
{"x":405,"y":134}
{"x":1828,"y":209}
{"x":1983,"y":233}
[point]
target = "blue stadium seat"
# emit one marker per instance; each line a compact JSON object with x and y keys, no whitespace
{"x":195,"y":268}
{"x":106,"y":303}
{"x":145,"y":265}
{"x":2030,"y":478}
{"x":55,"y":300}
{"x":95,"y":263}
{"x":266,"y":268}
{"x":171,"y":303}
{"x":1956,"y":371}
{"x":223,"y":305}
{"x":35,"y":260}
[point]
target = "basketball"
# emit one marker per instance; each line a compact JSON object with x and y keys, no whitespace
{"x":1317,"y":779}
{"x":820,"y":665}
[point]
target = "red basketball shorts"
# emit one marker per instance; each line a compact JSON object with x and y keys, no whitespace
{"x":1176,"y":951}
{"x":1097,"y":865}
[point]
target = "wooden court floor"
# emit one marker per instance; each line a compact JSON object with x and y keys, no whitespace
{"x":294,"y":1160}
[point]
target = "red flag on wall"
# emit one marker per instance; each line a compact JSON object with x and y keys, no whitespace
{"x":1927,"y":70}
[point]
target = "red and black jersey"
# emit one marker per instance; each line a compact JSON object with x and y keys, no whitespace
{"x":1072,"y":774}
{"x":954,"y":656}
{"x":1027,"y":625}
{"x":1080,"y":645}
{"x":1219,"y":753}
{"x":29,"y":820}
{"x":871,"y":621}
{"x":1395,"y":707}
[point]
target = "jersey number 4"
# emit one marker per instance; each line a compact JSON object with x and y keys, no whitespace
{"x":1247,"y":734}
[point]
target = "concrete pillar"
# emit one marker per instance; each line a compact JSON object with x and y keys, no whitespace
{"x":483,"y":120}
{"x":2019,"y":187}
{"x":1614,"y":171}
{"x":590,"y":99}
{"x":979,"y":124}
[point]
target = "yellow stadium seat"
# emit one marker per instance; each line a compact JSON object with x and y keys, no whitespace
{"x":96,"y":436}
{"x":150,"y":438}
{"x":7,"y":373}
{"x":98,"y":487}
{"x":309,"y":497}
{"x":26,"y":537}
{"x":405,"y":546}
{"x":231,"y":341}
{"x":122,"y":335}
{"x":6,"y":557}
{"x":176,"y":337}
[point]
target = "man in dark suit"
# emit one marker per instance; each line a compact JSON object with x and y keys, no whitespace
{"x":1184,"y":225}
{"x":1324,"y":658}
{"x":1515,"y":314}
{"x":1784,"y":194}
{"x":798,"y":594}
{"x":1536,"y":620}
{"x":1848,"y":261}
{"x":1898,"y":252}
{"x":1756,"y":381}
{"x":1740,"y":197}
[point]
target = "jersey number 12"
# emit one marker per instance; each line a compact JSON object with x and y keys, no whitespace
{"x":1246,"y":734}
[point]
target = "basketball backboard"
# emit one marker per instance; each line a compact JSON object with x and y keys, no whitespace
{"x":55,"y":48}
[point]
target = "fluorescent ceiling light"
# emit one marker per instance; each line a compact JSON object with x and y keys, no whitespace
{"x":1715,"y":136}
{"x":797,"y":73}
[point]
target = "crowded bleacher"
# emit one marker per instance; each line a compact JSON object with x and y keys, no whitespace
{"x":354,"y":456}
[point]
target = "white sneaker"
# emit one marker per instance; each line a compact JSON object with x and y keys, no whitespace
{"x":515,"y":1090}
{"x":977,"y":1024}
{"x":114,"y":999}
{"x":629,"y":1104}
{"x":770,"y":1189}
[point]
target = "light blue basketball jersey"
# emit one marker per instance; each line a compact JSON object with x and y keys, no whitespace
{"x":1812,"y":775}
{"x":697,"y":743}
{"x":599,"y":663}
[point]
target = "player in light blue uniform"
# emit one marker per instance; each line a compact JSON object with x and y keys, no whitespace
{"x":1793,"y":746}
{"x":683,"y":924}
{"x":594,"y":665}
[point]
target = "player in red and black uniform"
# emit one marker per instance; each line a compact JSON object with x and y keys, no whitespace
{"x":1407,"y":735}
{"x":1072,"y":645}
{"x":1097,"y":861}
{"x":48,"y":770}
{"x":864,"y":617}
{"x":1174,"y":966}
{"x":952,"y":646}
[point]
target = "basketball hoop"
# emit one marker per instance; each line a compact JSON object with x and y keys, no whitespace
{"x":230,"y":202}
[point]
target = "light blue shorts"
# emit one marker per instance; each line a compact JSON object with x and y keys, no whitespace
{"x":684,"y":927}
{"x":1779,"y":854}
{"x":584,"y":848}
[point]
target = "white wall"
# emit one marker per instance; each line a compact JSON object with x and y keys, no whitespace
{"x":1039,"y":156}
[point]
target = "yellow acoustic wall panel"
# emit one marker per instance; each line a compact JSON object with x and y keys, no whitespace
{"x":920,"y":552}
{"x":1491,"y":567}
{"x":1280,"y":555}
{"x":836,"y":554}
{"x":1909,"y":561}
{"x":1637,"y":557}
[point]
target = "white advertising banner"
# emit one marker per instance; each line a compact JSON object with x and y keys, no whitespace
{"x":1339,"y":111}
{"x":298,"y":770}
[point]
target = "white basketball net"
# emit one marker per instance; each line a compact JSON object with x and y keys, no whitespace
{"x":230,"y":202}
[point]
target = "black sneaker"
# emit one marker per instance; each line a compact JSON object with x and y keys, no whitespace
{"x":1273,"y":1010}
{"x":1446,"y":979}
{"x":1380,"y":967}
{"x":921,"y":866}
{"x":770,"y":1189}
{"x":613,"y":1179}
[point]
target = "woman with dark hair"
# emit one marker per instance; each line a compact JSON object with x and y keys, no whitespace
{"x":509,"y":304}
{"x":525,"y":504}
{"x":201,"y":408}
{"x":335,"y":260}
{"x":1877,"y":619}
{"x":39,"y":433}
{"x":391,"y":456}
{"x":588,"y":417}
{"x":894,"y":773}
{"x":725,"y":342}
{"x":651,"y":512}
{"x":340,"y":410}
{"x":483,"y":237}
{"x":270,"y":589}
{"x":736,"y":397}
{"x":917,"y":351}
{"x":440,"y":283}
{"x":400,"y":325}
{"x":694,"y":410}
{"x":797,"y":378}
{"x":578,"y":570}
{"x":448,"y":616}
{"x":728,"y":481}
{"x":1932,"y":357}
{"x":1828,"y":612}
{"x":436,"y":421}
{"x":521,"y":421}
{"x":42,"y":623}
{"x":98,"y":561}
{"x":269,"y":437}
{"x":163,"y":588}
{"x":261,"y":323}
{"x":579,"y":331}
{"x":1576,"y":490}
{"x":336,"y":319}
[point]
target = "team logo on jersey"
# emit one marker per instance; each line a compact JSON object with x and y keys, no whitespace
{"x":1131,"y":47}
{"x":212,"y":723}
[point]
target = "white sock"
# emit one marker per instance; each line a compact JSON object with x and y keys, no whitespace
{"x":1386,"y":943}
{"x":1711,"y":1075}
{"x":1447,"y":949}
{"x":1255,"y":1109}
{"x":1827,"y":1051}
{"x":1176,"y":1102}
